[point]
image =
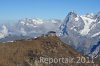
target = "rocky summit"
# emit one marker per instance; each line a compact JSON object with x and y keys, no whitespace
{"x":46,"y":50}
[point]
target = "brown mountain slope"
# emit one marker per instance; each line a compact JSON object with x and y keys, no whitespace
{"x":29,"y":52}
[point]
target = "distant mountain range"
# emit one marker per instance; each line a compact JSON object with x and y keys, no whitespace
{"x":28,"y":28}
{"x":82,"y":32}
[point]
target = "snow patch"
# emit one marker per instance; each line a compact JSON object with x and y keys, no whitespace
{"x":88,"y":22}
{"x":77,"y":18}
{"x":96,"y":34}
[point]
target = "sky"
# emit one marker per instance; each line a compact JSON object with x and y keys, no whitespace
{"x":45,"y":9}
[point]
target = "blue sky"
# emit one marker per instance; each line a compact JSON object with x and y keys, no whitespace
{"x":45,"y":9}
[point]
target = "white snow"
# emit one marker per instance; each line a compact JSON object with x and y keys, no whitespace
{"x":96,"y":34}
{"x":22,"y":22}
{"x":77,"y":18}
{"x":88,"y":22}
{"x":73,"y":28}
{"x":90,"y":15}
{"x":87,"y":26}
{"x":99,"y":22}
{"x":37,"y":21}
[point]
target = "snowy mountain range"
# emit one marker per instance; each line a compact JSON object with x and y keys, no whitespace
{"x":28,"y":28}
{"x":80,"y":31}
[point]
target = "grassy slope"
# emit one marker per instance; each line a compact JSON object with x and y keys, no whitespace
{"x":20,"y":53}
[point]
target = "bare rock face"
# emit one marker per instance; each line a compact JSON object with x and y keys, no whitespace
{"x":41,"y":51}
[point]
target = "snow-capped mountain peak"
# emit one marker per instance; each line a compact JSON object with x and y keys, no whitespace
{"x":81,"y":30}
{"x":70,"y":16}
{"x":31,"y":22}
{"x":89,"y":15}
{"x":72,"y":13}
{"x":28,"y":28}
{"x":37,"y":21}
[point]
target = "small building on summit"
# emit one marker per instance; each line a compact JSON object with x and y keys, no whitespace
{"x":51,"y":33}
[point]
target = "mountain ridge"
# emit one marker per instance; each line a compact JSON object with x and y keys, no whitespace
{"x":27,"y":52}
